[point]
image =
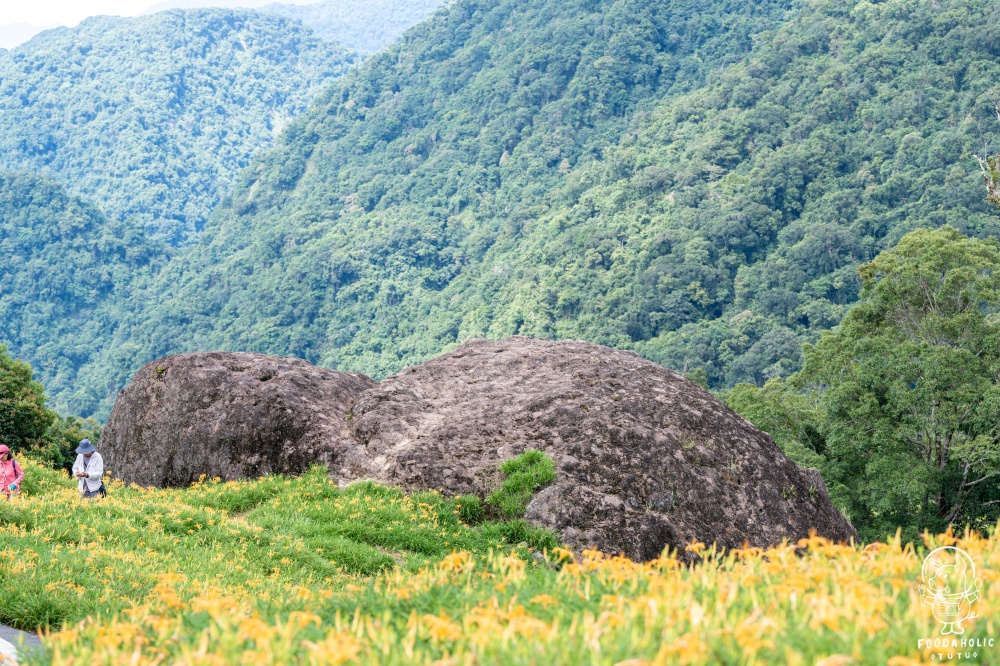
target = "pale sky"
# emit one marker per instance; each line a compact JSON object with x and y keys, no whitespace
{"x":66,"y":12}
{"x":19,"y":19}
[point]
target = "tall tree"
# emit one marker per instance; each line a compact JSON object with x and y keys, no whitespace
{"x":909,"y":384}
{"x":23,"y":416}
{"x":990,"y":165}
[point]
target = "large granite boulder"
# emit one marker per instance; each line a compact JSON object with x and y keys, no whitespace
{"x":644,"y":458}
{"x":232,"y":415}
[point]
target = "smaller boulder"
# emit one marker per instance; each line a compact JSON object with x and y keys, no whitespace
{"x":231,"y":415}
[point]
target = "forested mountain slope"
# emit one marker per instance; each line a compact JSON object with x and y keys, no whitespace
{"x":505,"y":171}
{"x":345,"y":244}
{"x":693,"y":180}
{"x":725,"y":229}
{"x":63,"y":266}
{"x":153,"y":117}
{"x":364,"y":26}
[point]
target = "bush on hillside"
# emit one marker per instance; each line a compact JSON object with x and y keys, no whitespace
{"x":26,"y":425}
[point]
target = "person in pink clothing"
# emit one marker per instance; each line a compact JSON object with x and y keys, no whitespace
{"x":11,"y":473}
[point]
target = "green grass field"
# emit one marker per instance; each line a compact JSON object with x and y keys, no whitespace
{"x":300,"y":571}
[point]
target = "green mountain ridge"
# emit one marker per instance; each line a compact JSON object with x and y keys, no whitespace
{"x":153,"y":117}
{"x":415,"y":163}
{"x":696,"y":181}
{"x":65,"y":262}
{"x":722,"y":227}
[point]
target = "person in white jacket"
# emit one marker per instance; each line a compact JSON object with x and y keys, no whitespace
{"x":89,"y":469}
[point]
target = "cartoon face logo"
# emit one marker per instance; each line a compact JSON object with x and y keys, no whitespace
{"x":950,"y":587}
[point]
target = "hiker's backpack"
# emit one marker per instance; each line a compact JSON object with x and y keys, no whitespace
{"x":17,"y":469}
{"x":103,"y":490}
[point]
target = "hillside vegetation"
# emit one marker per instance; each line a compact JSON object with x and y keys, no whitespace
{"x":482,"y":179}
{"x":365,"y":26}
{"x":64,"y":268}
{"x":152,"y":118}
{"x":348,"y":245}
{"x":697,"y":181}
{"x":907,"y":381}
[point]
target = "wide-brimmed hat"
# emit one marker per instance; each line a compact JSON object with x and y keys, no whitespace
{"x":85,"y":447}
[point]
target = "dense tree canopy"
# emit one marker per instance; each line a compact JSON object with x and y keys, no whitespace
{"x":909,"y":381}
{"x":64,"y":268}
{"x":694,"y":180}
{"x":23,"y":417}
{"x":153,"y":117}
{"x":568,"y":171}
{"x":394,"y":218}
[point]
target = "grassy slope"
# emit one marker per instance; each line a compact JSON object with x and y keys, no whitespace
{"x":268,"y":534}
{"x":297,"y":571}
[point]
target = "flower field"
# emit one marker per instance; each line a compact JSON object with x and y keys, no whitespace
{"x":299,"y":571}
